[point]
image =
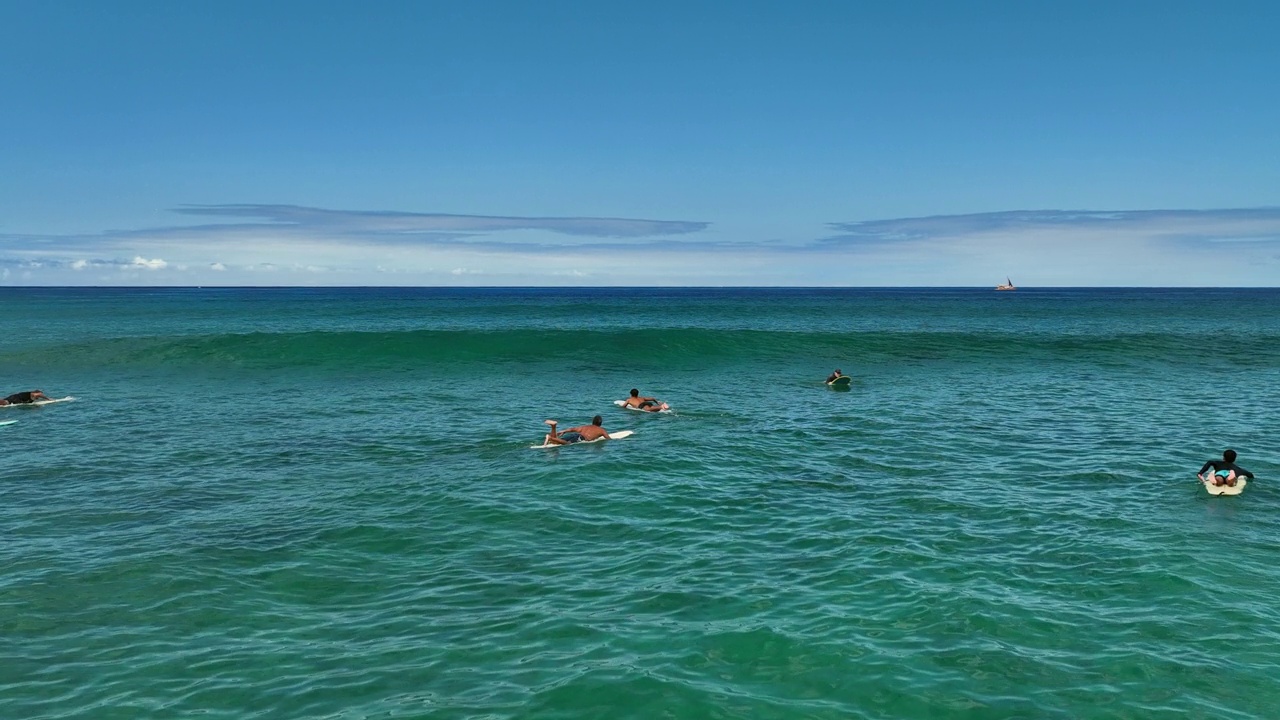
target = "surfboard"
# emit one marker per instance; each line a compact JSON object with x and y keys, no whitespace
{"x":841,"y":382}
{"x":612,"y":436}
{"x":7,"y":422}
{"x":38,"y":403}
{"x":623,"y":404}
{"x":1207,"y":481}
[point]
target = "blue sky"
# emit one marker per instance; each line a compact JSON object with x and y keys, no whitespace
{"x":658,"y":143}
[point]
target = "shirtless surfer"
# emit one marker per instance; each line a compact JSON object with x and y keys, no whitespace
{"x":24,"y":398}
{"x":647,"y":404}
{"x":1225,"y":471}
{"x":582,"y":433}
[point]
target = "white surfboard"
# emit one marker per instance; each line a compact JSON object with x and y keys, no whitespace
{"x":1207,"y":481}
{"x":612,"y":436}
{"x":7,"y":422}
{"x":623,"y":404}
{"x":46,"y":401}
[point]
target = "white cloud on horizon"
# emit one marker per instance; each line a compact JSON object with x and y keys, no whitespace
{"x":1171,"y":247}
{"x":140,"y":262}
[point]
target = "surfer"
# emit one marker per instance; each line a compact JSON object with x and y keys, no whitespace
{"x":582,"y":433}
{"x":24,"y":398}
{"x":832,"y":377}
{"x":1225,"y":471}
{"x":647,"y":404}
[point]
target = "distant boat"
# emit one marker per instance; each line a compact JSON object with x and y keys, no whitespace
{"x":1008,"y":285}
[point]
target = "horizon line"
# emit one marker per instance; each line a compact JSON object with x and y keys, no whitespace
{"x":640,"y":287}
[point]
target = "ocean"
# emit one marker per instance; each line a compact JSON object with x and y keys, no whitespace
{"x":322,"y":503}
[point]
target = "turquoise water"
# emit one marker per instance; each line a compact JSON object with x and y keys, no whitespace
{"x":322,"y":504}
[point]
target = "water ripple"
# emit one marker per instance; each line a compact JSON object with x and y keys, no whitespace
{"x":962,"y":534}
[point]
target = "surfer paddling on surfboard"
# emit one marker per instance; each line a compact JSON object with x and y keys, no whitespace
{"x":839,"y":380}
{"x":648,"y":404}
{"x":1225,"y":471}
{"x":582,"y":433}
{"x":24,"y":398}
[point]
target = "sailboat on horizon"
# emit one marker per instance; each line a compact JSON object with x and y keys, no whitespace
{"x":1008,"y":285}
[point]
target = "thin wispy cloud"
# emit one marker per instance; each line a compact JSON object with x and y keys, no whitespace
{"x":295,"y":224}
{"x":292,"y":238}
{"x":383,"y":223}
{"x":1195,"y":226}
{"x":303,"y":245}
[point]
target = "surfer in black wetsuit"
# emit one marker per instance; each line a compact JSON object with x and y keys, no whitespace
{"x":832,"y":377}
{"x":1225,"y":471}
{"x":24,"y":398}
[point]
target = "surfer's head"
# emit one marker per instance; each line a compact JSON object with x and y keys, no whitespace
{"x":635,"y":392}
{"x":597,"y":420}
{"x":1229,"y":455}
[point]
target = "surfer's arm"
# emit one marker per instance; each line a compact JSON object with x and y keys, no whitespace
{"x":1206,"y":467}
